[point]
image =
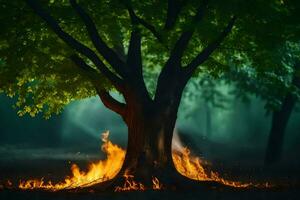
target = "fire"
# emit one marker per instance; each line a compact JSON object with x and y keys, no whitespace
{"x":103,"y":170}
{"x":97,"y":172}
{"x":156,"y":184}
{"x":188,"y":165}
{"x":192,"y":167}
{"x":130,"y":184}
{"x":6,"y":185}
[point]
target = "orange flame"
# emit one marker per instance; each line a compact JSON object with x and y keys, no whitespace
{"x":192,"y":167}
{"x":186,"y":164}
{"x":156,"y":184}
{"x":130,"y":184}
{"x":97,"y":172}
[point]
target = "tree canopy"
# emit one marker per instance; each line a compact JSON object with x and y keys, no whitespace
{"x":36,"y":66}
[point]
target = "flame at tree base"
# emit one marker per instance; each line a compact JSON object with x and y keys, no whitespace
{"x":130,"y":184}
{"x":103,"y":170}
{"x":192,"y":167}
{"x":98,"y":172}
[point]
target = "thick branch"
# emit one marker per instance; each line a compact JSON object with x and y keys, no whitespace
{"x":111,"y":103}
{"x":186,"y":36}
{"x":69,"y":40}
{"x":94,"y":76}
{"x":174,"y":8}
{"x":112,"y":58}
{"x":105,"y":97}
{"x":171,"y":73}
{"x":134,"y":57}
{"x":203,"y":56}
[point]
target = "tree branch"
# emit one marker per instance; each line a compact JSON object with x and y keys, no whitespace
{"x":137,"y":20}
{"x":93,"y":74}
{"x":105,"y":97}
{"x":172,"y":71}
{"x":186,"y":36}
{"x":134,"y":56}
{"x":109,"y":55}
{"x":203,"y":56}
{"x":111,"y":103}
{"x":69,"y":40}
{"x":174,"y":8}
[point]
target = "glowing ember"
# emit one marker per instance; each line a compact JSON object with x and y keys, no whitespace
{"x":186,"y":164}
{"x":156,"y":184}
{"x":6,"y":185}
{"x":97,"y":172}
{"x":130,"y":184}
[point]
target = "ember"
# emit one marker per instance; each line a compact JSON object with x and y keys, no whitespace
{"x":130,"y":184}
{"x":156,"y":184}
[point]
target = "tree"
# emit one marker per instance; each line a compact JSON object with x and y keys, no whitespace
{"x":210,"y":94}
{"x":279,"y":88}
{"x":287,"y":102}
{"x":268,"y":70}
{"x":114,"y":50}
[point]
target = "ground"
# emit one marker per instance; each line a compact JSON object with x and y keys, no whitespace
{"x":287,"y":174}
{"x":289,"y":194}
{"x":38,"y":168}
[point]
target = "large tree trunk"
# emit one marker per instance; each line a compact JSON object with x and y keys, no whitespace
{"x":149,"y":146}
{"x":276,"y":136}
{"x":150,"y":131}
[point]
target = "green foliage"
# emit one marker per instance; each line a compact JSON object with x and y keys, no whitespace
{"x":35,"y":64}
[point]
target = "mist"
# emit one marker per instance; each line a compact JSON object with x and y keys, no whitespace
{"x":238,"y":132}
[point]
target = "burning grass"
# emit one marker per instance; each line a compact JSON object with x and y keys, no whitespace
{"x":103,"y":170}
{"x":97,"y":172}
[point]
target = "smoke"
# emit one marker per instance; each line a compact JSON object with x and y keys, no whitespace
{"x":176,"y":142}
{"x":90,"y":118}
{"x":236,"y":131}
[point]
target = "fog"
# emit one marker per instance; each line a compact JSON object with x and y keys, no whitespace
{"x":238,"y":132}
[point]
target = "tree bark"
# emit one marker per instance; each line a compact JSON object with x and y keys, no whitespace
{"x":280,"y":120}
{"x":150,"y":131}
{"x":276,"y":136}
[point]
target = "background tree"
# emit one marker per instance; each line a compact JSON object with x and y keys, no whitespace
{"x":278,"y":87}
{"x":266,"y":67}
{"x":113,"y":44}
{"x":209,"y":94}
